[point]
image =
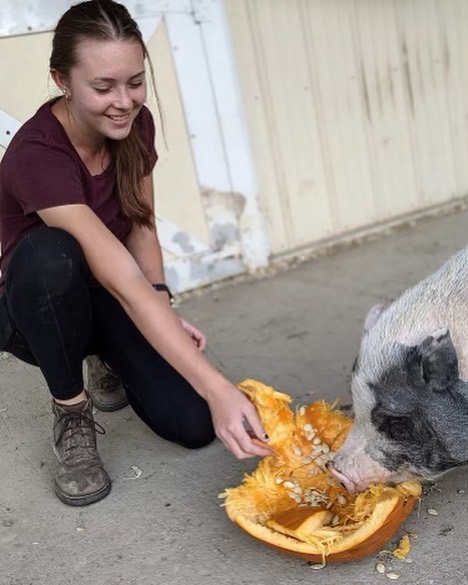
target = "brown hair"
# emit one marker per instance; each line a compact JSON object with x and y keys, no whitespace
{"x":106,"y":20}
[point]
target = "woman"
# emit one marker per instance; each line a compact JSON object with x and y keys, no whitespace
{"x":82,"y":265}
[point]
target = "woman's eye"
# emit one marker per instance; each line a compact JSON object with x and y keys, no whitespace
{"x":102,"y":89}
{"x":136,"y":84}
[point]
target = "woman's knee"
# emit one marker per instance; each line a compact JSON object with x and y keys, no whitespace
{"x":48,"y":257}
{"x":191,"y":428}
{"x":196,"y":437}
{"x":191,"y":432}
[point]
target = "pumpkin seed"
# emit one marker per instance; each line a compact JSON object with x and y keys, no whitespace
{"x":392,"y":576}
{"x":432,"y":512}
{"x":341,"y":500}
{"x":316,"y":452}
{"x":320,"y":462}
{"x":295,"y":497}
{"x":297,"y":451}
{"x":307,"y":428}
{"x":279,"y":480}
{"x":289,"y":484}
{"x":302,"y":411}
{"x":317,"y":566}
{"x":316,"y":441}
{"x":380,"y":568}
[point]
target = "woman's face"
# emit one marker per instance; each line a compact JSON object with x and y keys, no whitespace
{"x":107,"y":87}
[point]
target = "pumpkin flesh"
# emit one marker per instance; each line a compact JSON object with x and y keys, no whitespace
{"x":291,"y":502}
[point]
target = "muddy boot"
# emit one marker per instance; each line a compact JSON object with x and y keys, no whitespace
{"x":81,"y":478}
{"x":104,"y":385}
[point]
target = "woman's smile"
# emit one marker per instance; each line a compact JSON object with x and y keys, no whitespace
{"x":120,"y":120}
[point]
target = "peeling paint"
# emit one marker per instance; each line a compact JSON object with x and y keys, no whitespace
{"x":223,"y":234}
{"x":183,"y":240}
{"x":223,"y":212}
{"x":227,"y":219}
{"x":226,"y":200}
{"x":188,"y":274}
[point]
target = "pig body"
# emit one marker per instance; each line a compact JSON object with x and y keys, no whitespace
{"x":410,"y":385}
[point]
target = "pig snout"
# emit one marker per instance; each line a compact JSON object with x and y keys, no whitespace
{"x":345,"y":481}
{"x":355,"y":468}
{"x":359,"y":474}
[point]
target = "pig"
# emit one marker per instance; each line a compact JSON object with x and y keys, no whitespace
{"x":409,"y":385}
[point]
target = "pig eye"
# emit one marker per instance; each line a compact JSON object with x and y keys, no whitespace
{"x":398,"y":428}
{"x":401,"y":428}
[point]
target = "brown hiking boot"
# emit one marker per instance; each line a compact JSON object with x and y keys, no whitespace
{"x":104,"y":385}
{"x":81,"y":478}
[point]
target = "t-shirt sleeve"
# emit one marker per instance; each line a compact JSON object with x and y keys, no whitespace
{"x":43,"y":175}
{"x":148,"y":135}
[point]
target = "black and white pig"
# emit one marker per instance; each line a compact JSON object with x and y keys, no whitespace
{"x":409,"y":385}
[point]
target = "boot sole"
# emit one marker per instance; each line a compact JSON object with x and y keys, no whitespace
{"x":110,"y":407}
{"x":83,"y":500}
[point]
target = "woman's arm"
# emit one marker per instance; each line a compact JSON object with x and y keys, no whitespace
{"x":143,"y":244}
{"x":117,"y":271}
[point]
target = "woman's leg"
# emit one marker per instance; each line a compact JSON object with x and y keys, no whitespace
{"x":160,"y":396}
{"x":48,"y":302}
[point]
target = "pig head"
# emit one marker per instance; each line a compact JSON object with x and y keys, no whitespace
{"x":409,"y":385}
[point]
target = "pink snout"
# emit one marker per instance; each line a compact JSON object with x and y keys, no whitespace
{"x":358,"y":478}
{"x":345,"y":481}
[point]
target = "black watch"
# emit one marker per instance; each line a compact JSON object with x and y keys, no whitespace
{"x":164,"y":288}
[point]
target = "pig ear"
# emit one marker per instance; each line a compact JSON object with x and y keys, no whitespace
{"x":439,"y":362}
{"x":373,"y":316}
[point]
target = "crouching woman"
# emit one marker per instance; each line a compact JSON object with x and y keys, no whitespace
{"x":82,"y":269}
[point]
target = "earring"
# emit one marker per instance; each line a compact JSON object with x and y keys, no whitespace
{"x":66,"y":95}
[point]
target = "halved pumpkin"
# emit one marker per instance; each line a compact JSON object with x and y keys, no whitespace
{"x":292,"y":503}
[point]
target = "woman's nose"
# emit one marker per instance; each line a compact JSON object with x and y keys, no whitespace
{"x":123,"y":99}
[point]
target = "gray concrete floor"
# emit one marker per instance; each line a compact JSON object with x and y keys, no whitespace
{"x":297,"y":330}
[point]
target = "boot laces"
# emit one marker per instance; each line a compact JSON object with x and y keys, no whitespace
{"x":78,"y":435}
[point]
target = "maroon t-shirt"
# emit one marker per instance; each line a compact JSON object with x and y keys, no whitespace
{"x":42,"y":169}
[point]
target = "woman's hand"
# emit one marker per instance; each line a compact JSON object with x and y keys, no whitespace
{"x":235,"y":419}
{"x":232,"y":412}
{"x":195,"y":334}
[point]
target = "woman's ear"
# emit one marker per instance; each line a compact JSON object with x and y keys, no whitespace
{"x":61,"y":82}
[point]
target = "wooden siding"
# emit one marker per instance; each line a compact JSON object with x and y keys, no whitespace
{"x":357,"y":110}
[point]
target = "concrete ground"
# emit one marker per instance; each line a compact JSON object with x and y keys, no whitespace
{"x":162,"y":524}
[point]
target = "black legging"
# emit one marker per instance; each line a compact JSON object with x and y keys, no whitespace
{"x":57,"y":319}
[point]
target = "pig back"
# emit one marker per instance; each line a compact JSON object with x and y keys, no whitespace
{"x":438,"y":302}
